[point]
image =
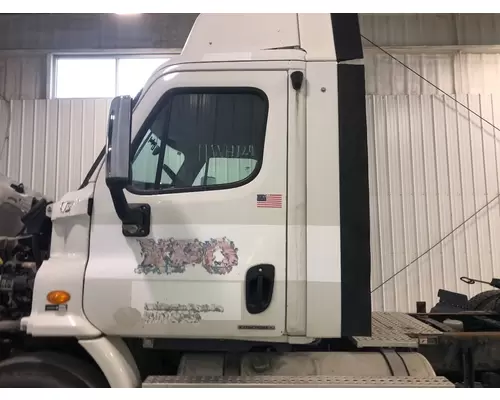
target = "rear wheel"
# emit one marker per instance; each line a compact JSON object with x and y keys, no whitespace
{"x":49,"y":370}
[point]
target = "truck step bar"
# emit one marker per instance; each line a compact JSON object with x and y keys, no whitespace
{"x":394,"y":329}
{"x":293,"y":381}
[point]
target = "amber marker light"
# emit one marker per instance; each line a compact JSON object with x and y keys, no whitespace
{"x":58,"y":297}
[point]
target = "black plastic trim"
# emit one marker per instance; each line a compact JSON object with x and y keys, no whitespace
{"x":90,"y":206}
{"x":355,"y":259}
{"x":259,"y":288}
{"x":347,"y":37}
{"x":137,"y":222}
{"x":354,"y":202}
{"x":92,"y":169}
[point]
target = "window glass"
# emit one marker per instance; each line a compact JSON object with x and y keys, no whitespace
{"x":81,"y":77}
{"x":225,"y":170}
{"x":145,"y":164}
{"x":204,"y":139}
{"x":102,"y":77}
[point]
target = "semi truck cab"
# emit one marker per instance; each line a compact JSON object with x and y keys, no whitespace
{"x":233,"y":203}
{"x":228,"y":214}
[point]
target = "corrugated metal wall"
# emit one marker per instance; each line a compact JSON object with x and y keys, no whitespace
{"x":433,"y":165}
{"x":431,"y":29}
{"x":23,"y":77}
{"x":455,"y":73}
{"x":49,"y":145}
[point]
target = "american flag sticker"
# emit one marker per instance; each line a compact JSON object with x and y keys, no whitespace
{"x":269,"y":201}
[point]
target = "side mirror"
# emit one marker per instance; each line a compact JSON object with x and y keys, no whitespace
{"x":135,"y":217}
{"x":118,"y":142}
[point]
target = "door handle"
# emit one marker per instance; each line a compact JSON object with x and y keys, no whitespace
{"x":259,"y":288}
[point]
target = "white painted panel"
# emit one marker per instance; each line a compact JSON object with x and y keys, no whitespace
{"x":183,"y":301}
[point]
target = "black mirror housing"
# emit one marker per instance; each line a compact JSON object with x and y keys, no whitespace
{"x":136,"y":218}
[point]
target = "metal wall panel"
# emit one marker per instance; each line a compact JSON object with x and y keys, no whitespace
{"x":455,"y":73}
{"x":23,"y":77}
{"x":426,"y":164}
{"x":474,"y":29}
{"x":477,"y":73}
{"x":386,"y":76}
{"x":51,"y":144}
{"x":431,"y":29}
{"x":433,"y":165}
{"x":409,"y":29}
{"x":105,"y":31}
{"x":93,"y":31}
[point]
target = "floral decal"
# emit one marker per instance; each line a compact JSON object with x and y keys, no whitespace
{"x":160,"y":313}
{"x":171,"y":256}
{"x":220,"y":256}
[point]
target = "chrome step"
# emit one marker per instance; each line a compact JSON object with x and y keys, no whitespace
{"x":394,"y":329}
{"x":293,"y":381}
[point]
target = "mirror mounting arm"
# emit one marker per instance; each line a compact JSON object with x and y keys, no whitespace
{"x":136,"y":218}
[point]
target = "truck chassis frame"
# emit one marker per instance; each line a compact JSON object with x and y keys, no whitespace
{"x":469,"y":356}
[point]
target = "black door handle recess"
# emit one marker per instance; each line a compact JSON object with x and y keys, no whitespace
{"x":259,"y":287}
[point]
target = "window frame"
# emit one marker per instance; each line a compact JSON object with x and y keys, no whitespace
{"x":116,"y":55}
{"x":163,"y":101}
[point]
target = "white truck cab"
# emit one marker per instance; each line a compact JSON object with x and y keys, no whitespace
{"x":230,"y":205}
{"x":225,"y":220}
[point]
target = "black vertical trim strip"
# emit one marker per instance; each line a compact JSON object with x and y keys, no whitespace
{"x":353,"y":174}
{"x":354,"y":202}
{"x":347,"y":37}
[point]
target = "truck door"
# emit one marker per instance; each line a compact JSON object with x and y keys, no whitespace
{"x":209,"y":157}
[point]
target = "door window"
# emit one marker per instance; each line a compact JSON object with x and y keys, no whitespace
{"x":145,"y":163}
{"x":225,"y":170}
{"x":201,"y":140}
